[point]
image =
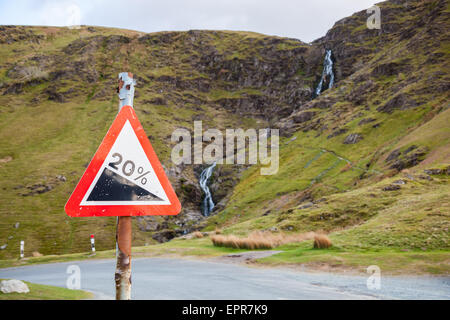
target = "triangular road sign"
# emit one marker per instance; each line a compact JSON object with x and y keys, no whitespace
{"x":125,"y":177}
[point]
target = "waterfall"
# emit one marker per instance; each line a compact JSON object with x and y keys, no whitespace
{"x":327,"y":72}
{"x":208,"y":204}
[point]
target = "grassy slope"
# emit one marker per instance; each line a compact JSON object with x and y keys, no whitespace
{"x":44,"y":292}
{"x":47,"y":138}
{"x":366,"y":222}
{"x":358,"y":213}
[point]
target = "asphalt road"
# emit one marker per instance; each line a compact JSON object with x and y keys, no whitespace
{"x":160,"y":278}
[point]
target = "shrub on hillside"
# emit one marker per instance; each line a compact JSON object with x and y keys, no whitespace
{"x":197,"y":235}
{"x":321,"y":241}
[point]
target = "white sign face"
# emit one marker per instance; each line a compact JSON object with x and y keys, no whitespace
{"x":126,"y":177}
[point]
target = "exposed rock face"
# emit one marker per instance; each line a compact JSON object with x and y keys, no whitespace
{"x":389,"y":81}
{"x":346,"y":36}
{"x":365,"y":121}
{"x":10,"y":286}
{"x":436,"y":171}
{"x":304,"y":120}
{"x":410,"y":157}
{"x":47,"y":185}
{"x":400,"y":101}
{"x":352,"y":138}
{"x":11,"y":34}
{"x":273,"y":64}
{"x":392,"y":187}
{"x":337,"y":132}
{"x":268,"y":73}
{"x":276,"y":71}
{"x":164,"y":236}
{"x":303,"y":116}
{"x":390,"y":69}
{"x":147,"y":223}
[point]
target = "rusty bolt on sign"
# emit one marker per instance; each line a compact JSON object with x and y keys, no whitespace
{"x":123,"y":233}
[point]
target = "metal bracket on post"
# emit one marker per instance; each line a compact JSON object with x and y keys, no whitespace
{"x":126,"y":89}
{"x":123,"y":233}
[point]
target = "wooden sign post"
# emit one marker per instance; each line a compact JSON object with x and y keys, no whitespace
{"x":122,"y":276}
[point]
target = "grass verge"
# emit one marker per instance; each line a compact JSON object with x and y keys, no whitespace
{"x":337,"y":259}
{"x":44,"y":292}
{"x":334,"y":259}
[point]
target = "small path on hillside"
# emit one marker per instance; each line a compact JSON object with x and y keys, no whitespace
{"x":350,"y":162}
{"x":334,"y":165}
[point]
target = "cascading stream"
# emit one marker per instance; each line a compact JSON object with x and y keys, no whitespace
{"x":208,"y":204}
{"x":327,"y":72}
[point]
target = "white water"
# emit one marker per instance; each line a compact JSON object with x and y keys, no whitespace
{"x":208,"y":204}
{"x":327,"y":71}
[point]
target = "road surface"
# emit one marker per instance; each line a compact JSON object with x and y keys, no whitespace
{"x":161,"y":278}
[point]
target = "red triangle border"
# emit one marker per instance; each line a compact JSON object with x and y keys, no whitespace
{"x":73,"y":207}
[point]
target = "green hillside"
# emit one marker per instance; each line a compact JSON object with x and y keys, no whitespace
{"x":367,"y":161}
{"x":389,"y":189}
{"x":58,"y":100}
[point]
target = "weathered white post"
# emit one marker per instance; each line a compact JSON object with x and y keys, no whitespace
{"x":22,"y":245}
{"x":123,"y":233}
{"x":92,"y":243}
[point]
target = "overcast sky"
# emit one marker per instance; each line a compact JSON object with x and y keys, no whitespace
{"x":306,"y":20}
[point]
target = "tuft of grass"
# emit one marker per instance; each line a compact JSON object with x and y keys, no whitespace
{"x":321,"y":241}
{"x":197,"y":235}
{"x":259,"y":240}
